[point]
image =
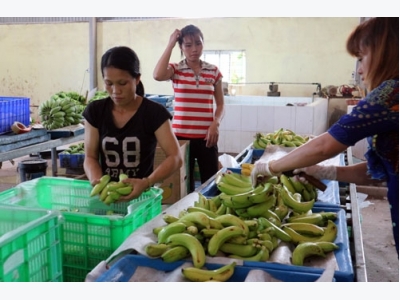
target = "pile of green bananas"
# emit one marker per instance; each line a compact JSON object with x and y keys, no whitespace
{"x":62,"y":109}
{"x":99,"y":95}
{"x":111,"y":191}
{"x":75,"y":149}
{"x":245,"y":223}
{"x":283,"y":137}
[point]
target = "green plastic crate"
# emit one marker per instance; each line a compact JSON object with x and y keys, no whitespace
{"x":89,"y":235}
{"x":30,"y":245}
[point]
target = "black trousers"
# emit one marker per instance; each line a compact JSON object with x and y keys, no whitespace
{"x":207,"y":160}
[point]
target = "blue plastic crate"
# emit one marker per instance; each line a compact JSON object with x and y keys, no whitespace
{"x":13,"y":109}
{"x":125,"y":268}
{"x":74,"y":161}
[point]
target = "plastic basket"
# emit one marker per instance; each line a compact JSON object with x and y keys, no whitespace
{"x":30,"y":245}
{"x":13,"y":109}
{"x":74,"y":161}
{"x":89,"y":233}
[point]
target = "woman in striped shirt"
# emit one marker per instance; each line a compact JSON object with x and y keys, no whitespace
{"x":199,"y":99}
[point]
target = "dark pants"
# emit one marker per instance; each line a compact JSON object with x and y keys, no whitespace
{"x":207,"y":160}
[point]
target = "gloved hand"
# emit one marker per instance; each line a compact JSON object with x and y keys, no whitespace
{"x":261,"y":168}
{"x":318,"y":172}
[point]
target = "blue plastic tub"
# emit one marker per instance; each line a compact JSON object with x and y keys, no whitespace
{"x":13,"y":109}
{"x":125,"y":268}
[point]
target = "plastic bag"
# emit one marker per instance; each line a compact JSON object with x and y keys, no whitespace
{"x":228,"y":161}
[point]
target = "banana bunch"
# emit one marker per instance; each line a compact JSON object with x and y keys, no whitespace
{"x":283,"y":137}
{"x":307,"y":249}
{"x":61,"y":110}
{"x":75,"y":149}
{"x":233,"y":183}
{"x":111,"y":191}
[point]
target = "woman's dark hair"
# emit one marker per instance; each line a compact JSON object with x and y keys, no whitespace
{"x":381,"y":37}
{"x":123,"y":58}
{"x":189,"y":30}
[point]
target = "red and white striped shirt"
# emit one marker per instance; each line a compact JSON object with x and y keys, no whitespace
{"x":194,"y":99}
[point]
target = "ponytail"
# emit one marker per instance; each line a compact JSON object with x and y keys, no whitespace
{"x":140,"y":89}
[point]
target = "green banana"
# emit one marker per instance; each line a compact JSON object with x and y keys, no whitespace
{"x":305,"y":250}
{"x":166,"y":231}
{"x":284,"y":180}
{"x":257,"y":210}
{"x":170,"y":218}
{"x":197,"y":217}
{"x":230,"y":189}
{"x":203,"y":210}
{"x":221,"y":237}
{"x":174,"y":254}
{"x":278,"y":232}
{"x":124,"y":190}
{"x":306,"y":228}
{"x":100,"y":186}
{"x":201,"y":275}
{"x":237,"y":249}
{"x":232,"y":220}
{"x":236,"y":179}
{"x":111,"y":197}
{"x":192,"y":244}
{"x":156,"y":249}
{"x":272,"y":216}
{"x":297,"y":185}
{"x":240,"y":200}
{"x":209,"y":232}
{"x":259,"y":256}
{"x":281,"y":209}
{"x":327,"y":246}
{"x":330,"y":233}
{"x":314,"y":218}
{"x":260,"y":193}
{"x":221,"y":209}
{"x":290,"y":201}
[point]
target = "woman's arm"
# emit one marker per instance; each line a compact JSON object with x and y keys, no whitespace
{"x":314,"y":151}
{"x":91,"y":163}
{"x":162,"y":70}
{"x":213,"y":131}
{"x":356,"y":173}
{"x":173,"y":157}
{"x":173,"y":161}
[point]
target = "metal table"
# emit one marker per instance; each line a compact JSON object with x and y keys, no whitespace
{"x":51,"y":144}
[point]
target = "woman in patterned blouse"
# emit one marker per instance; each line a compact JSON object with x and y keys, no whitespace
{"x":375,"y":43}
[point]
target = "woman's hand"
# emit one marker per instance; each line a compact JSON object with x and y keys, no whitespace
{"x":174,"y":38}
{"x":212,"y":135}
{"x":138,"y":187}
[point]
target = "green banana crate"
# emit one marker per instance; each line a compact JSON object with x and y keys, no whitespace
{"x":30,"y":245}
{"x":92,"y":231}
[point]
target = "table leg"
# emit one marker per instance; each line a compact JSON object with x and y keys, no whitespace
{"x":54,"y":162}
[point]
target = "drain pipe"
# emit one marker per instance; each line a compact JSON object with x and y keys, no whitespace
{"x":92,"y":53}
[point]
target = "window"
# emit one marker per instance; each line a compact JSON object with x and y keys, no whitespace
{"x":232,"y":64}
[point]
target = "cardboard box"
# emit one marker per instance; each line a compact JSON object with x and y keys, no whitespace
{"x":175,"y":186}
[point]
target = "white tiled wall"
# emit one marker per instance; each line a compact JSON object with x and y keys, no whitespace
{"x":245,"y":116}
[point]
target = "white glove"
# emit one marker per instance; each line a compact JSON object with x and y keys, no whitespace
{"x":318,"y":172}
{"x":261,"y":168}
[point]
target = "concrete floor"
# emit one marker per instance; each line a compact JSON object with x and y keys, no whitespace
{"x":382,"y":264}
